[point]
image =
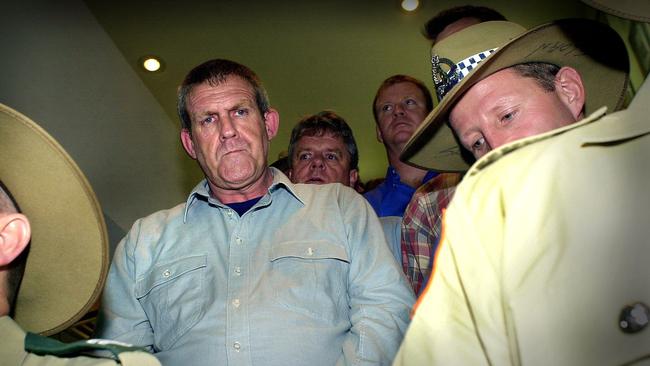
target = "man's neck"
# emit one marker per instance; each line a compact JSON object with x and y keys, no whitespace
{"x":246,"y":193}
{"x":408,"y":174}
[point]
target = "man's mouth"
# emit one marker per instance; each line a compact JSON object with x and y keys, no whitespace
{"x":402,"y":123}
{"x":233,"y":151}
{"x":316,"y":180}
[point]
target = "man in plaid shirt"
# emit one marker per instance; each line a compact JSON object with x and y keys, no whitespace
{"x":422,"y":220}
{"x":422,"y":224}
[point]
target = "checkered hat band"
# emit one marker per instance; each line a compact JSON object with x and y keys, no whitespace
{"x":445,"y":81}
{"x":465,"y":66}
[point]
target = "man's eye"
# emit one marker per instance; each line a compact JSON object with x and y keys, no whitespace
{"x":410,"y":102}
{"x":304,"y":156}
{"x":478,"y":144}
{"x":207,"y":120}
{"x":508,"y":117}
{"x":241,"y":112}
{"x":387,"y":108}
{"x":331,"y":156}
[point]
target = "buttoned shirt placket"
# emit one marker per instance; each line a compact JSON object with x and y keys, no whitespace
{"x":237,"y":324}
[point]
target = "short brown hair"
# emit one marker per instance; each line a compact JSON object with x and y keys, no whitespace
{"x":216,"y":72}
{"x":543,"y":73}
{"x":396,"y":79}
{"x":325,"y":122}
{"x":440,"y":21}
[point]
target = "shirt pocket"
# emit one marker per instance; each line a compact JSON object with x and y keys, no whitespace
{"x":172,"y":296}
{"x":310,"y":278}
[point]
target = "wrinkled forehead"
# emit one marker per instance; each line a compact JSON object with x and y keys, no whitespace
{"x":323,"y":144}
{"x":234,"y":91}
{"x":320,"y":137}
{"x":397,"y":92}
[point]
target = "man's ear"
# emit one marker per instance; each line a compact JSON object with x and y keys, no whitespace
{"x":354,"y":177}
{"x":15,"y":233}
{"x":290,"y":174}
{"x":188,"y":144}
{"x":272,"y":122}
{"x":571,"y":90}
{"x":379,"y":137}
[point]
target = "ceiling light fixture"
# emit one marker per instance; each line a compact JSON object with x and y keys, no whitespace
{"x":151,"y":63}
{"x":410,"y":5}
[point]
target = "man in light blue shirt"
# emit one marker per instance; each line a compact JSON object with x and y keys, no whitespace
{"x":253,"y":269}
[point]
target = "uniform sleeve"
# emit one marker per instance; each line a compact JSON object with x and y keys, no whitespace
{"x":446,"y":322}
{"x":121,"y":317}
{"x":380,"y":298}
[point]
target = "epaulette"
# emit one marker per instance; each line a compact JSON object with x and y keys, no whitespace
{"x":42,"y":346}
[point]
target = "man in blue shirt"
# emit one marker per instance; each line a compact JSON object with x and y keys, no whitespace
{"x":400,"y":105}
{"x":253,"y":269}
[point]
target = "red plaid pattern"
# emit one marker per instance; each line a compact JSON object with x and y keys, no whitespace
{"x":422,"y":224}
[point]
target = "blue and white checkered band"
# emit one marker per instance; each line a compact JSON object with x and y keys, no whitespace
{"x":445,"y":81}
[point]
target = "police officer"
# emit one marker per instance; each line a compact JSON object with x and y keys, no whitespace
{"x":53,"y":252}
{"x":544,"y":252}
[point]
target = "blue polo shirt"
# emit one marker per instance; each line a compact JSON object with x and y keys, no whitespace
{"x":391,"y":197}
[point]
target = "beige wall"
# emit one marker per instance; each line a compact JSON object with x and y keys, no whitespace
{"x":60,"y":68}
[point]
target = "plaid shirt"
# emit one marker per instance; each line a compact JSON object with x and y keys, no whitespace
{"x":422,"y":224}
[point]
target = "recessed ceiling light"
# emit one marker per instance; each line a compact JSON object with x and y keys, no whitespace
{"x":151,"y":63}
{"x":410,"y":5}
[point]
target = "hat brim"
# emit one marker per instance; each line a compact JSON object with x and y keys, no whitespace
{"x":68,"y":256}
{"x":593,"y":49}
{"x":638,"y":10}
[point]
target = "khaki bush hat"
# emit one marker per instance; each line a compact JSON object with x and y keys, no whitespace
{"x":472,"y":54}
{"x":638,"y":10}
{"x":68,"y":255}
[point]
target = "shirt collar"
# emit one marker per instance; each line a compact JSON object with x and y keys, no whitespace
{"x":392,"y":175}
{"x":280,"y":183}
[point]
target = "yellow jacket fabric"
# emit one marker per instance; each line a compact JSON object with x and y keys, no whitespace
{"x":545,"y":243}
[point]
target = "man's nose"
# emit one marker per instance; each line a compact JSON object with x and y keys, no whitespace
{"x":227,"y":127}
{"x":316,"y":163}
{"x":398,"y":110}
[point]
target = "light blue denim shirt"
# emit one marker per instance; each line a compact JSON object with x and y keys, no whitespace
{"x":303,"y":278}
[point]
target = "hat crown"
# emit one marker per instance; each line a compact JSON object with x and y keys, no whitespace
{"x":456,"y":56}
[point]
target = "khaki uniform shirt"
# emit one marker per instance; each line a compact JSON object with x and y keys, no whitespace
{"x":12,"y":352}
{"x":545,"y":251}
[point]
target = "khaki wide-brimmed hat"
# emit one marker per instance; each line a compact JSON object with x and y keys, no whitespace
{"x":472,"y":54}
{"x":68,"y":255}
{"x":638,"y":10}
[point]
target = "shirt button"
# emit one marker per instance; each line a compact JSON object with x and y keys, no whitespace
{"x":167,"y":273}
{"x":229,"y":213}
{"x":634,"y":317}
{"x":236,"y":346}
{"x":238,"y":240}
{"x":236,"y":303}
{"x":238,"y":270}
